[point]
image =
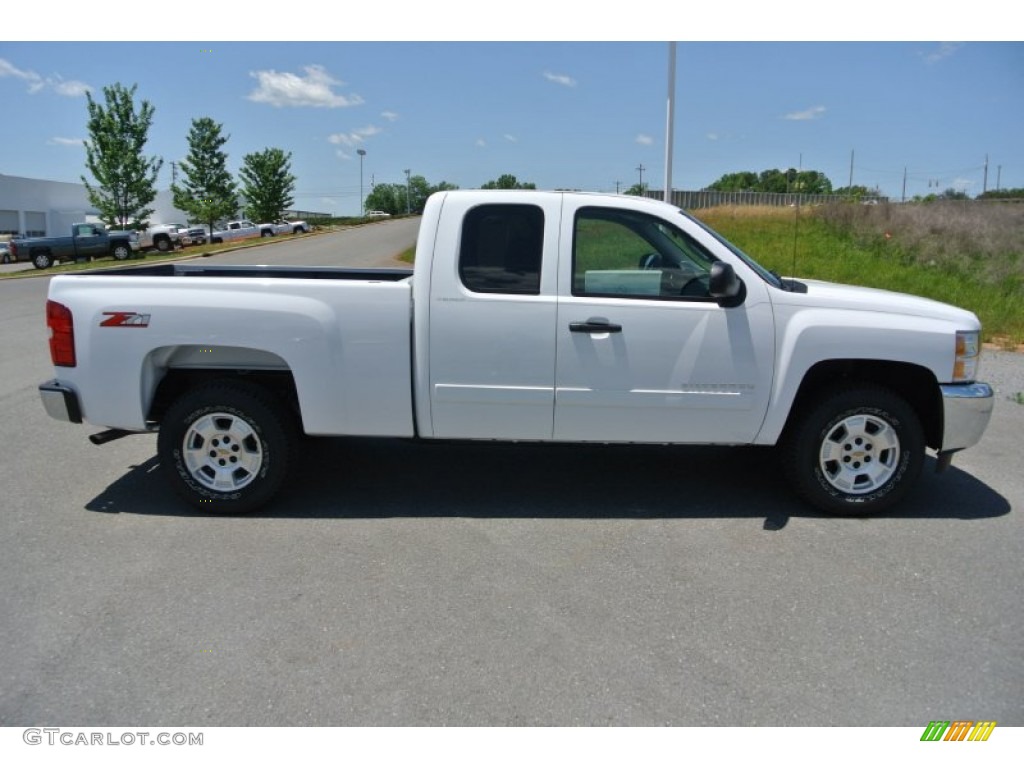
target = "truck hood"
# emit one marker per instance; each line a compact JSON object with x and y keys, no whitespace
{"x":839,"y":296}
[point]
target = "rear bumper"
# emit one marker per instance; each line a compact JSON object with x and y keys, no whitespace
{"x":60,"y":402}
{"x":966,"y":410}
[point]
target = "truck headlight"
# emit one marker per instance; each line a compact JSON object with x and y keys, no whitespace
{"x":965,"y":367}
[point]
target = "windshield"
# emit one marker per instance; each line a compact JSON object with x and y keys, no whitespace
{"x":767,"y":275}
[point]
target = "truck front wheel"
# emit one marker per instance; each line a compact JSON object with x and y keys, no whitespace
{"x":857,"y":451}
{"x":225,"y":447}
{"x":121,"y":251}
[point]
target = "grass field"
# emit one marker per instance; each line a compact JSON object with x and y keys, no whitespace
{"x":969,"y":255}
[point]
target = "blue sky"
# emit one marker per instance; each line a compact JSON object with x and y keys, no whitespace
{"x":559,"y":114}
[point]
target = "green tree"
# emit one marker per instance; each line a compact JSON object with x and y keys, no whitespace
{"x":1001,"y":194}
{"x":857,"y":191}
{"x":811,"y":183}
{"x":267,"y":184}
{"x":508,"y":181}
{"x":637,"y":190}
{"x":392,"y":198}
{"x":125,"y":178}
{"x":744,"y":181}
{"x":774,"y":180}
{"x":208,"y":192}
{"x":389,"y":198}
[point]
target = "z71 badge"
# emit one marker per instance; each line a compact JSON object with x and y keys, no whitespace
{"x":125,"y":320}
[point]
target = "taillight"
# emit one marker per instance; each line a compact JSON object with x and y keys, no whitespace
{"x":62,"y":334}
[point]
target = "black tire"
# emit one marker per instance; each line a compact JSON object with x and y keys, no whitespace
{"x":266,"y":233}
{"x":42,"y":259}
{"x":858,"y":451}
{"x":226,"y":447}
{"x":120,"y":251}
{"x":163,"y":243}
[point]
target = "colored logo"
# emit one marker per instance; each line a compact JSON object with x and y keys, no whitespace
{"x":125,"y":320}
{"x":958,"y":730}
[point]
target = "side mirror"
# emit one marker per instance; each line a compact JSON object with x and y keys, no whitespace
{"x":724,"y":285}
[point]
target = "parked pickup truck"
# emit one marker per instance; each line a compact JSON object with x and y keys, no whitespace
{"x":236,"y":230}
{"x":164,"y":237}
{"x":87,"y":241}
{"x":530,"y":316}
{"x":283,"y":227}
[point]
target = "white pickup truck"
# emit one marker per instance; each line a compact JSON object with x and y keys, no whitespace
{"x":244,"y":229}
{"x":530,"y":316}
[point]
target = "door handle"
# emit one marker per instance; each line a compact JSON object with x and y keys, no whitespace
{"x":593,"y":326}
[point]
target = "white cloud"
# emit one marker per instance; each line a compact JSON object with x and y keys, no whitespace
{"x":341,"y":153}
{"x":712,"y":137}
{"x":480,"y":143}
{"x":9,"y":70}
{"x":808,"y":114}
{"x":286,"y":89}
{"x":37,"y":82}
{"x":643,"y":138}
{"x":389,"y":116}
{"x":355,"y":137}
{"x":71,"y":88}
{"x":66,"y":142}
{"x":945,"y":50}
{"x":511,"y":138}
{"x":565,"y":80}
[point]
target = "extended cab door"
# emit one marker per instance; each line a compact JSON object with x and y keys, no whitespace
{"x":492,"y":311}
{"x":644,"y":353}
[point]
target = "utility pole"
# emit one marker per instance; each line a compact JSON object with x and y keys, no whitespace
{"x":850,"y":185}
{"x":362,"y":201}
{"x":999,"y":176}
{"x":903,"y":197}
{"x":641,"y":169}
{"x":408,"y":192}
{"x":617,"y":183}
{"x":670,"y":120}
{"x":984,"y":183}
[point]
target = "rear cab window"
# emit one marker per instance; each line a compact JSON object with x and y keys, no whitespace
{"x":501,"y":249}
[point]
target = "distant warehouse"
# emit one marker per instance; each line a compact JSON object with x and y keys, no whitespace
{"x":41,"y":208}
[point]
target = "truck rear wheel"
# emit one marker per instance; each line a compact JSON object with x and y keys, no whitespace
{"x":163,"y":243}
{"x":858,"y":451}
{"x":42,"y":260}
{"x":225,"y":447}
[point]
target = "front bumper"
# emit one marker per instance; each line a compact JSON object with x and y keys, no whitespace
{"x":966,"y":410}
{"x":60,"y":402}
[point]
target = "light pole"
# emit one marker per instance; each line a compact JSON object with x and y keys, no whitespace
{"x":362,"y":203}
{"x":408,"y":195}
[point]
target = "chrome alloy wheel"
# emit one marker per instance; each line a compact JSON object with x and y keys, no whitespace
{"x":859,"y":454}
{"x":222,"y":452}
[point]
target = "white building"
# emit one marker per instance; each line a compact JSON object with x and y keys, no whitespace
{"x":40,"y":208}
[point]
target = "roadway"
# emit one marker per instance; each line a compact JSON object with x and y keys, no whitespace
{"x":398,"y":583}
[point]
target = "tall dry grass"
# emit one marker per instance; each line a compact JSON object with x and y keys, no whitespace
{"x":983,"y":238}
{"x":968,"y":254}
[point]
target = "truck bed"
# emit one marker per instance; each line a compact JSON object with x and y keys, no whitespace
{"x":258,"y":271}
